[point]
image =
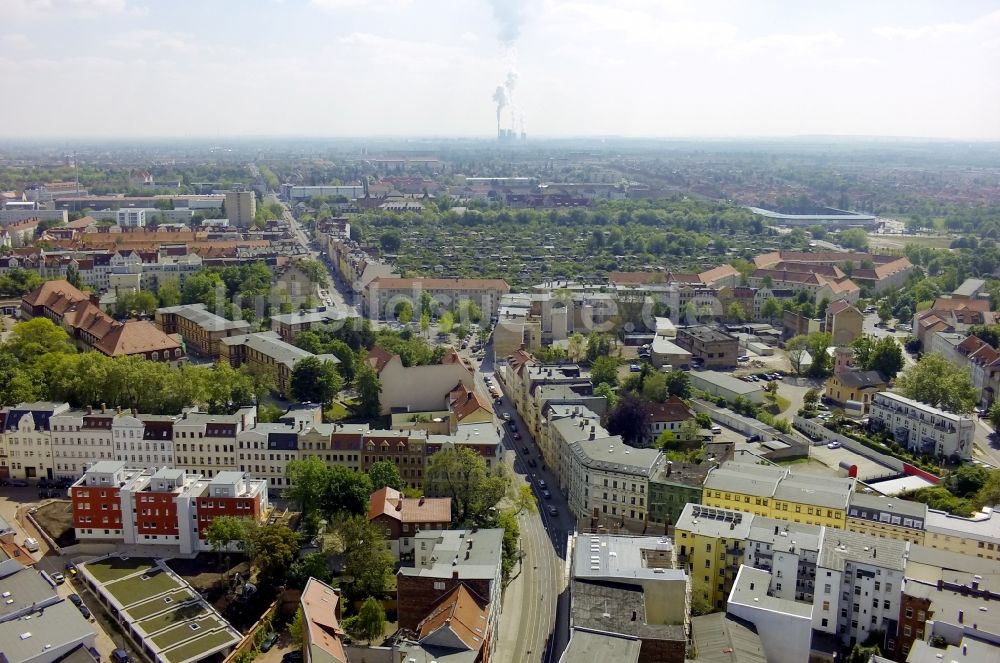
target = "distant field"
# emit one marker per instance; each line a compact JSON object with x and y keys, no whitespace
{"x":900,"y":241}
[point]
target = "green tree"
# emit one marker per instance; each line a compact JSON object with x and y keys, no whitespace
{"x":316,"y":381}
{"x":854,"y":238}
{"x":425,"y":322}
{"x":654,"y":387}
{"x":345,"y":491}
{"x":404,"y":312}
{"x":736,"y":311}
{"x":936,"y":381}
{"x":33,"y":338}
{"x":73,"y":276}
{"x":295,"y":628}
{"x":770,"y":309}
{"x":604,"y":370}
{"x":263,"y":380}
{"x":576,"y":347}
{"x":511,"y":546}
{"x":598,"y":345}
{"x":314,"y":565}
{"x":383,"y":473}
{"x":369,"y":623}
{"x":277,"y":547}
{"x":307,"y":480}
{"x":797,"y":348}
{"x":993,"y":413}
{"x":886,"y":357}
{"x":369,"y":387}
{"x":366,"y":557}
{"x":446,"y":322}
{"x":861,"y":653}
{"x":462,"y":475}
{"x":818,"y":344}
{"x":169,"y":292}
{"x":224,"y":532}
{"x":524,"y":499}
{"x":810,"y":399}
{"x":608,"y":392}
{"x":17,"y":384}
{"x":884,"y":311}
{"x":390,"y":240}
{"x":679,"y":384}
{"x":989,"y":494}
{"x":628,"y":418}
{"x":967,"y":480}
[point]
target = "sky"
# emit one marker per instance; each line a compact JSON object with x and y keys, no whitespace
{"x":654,"y":68}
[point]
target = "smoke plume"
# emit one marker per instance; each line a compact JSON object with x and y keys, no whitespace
{"x":509,"y":15}
{"x":500,"y":99}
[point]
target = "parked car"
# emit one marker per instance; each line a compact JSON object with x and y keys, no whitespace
{"x":743,"y":358}
{"x":553,"y":511}
{"x":292,"y":657}
{"x":525,"y":450}
{"x":59,"y":578}
{"x":75,"y":600}
{"x":31,"y":544}
{"x":120,"y":656}
{"x":542,"y":484}
{"x":71,"y":570}
{"x":835,"y":444}
{"x":506,"y":416}
{"x":85,"y":611}
{"x":753,"y":438}
{"x":532,"y":463}
{"x":634,"y":368}
{"x":517,"y":436}
{"x":19,"y":483}
{"x":716,"y":429}
{"x":268,"y":641}
{"x":546,"y":494}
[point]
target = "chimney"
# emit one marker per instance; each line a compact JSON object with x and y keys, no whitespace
{"x":119,"y":409}
{"x":104,"y":407}
{"x":670,"y":467}
{"x":421,"y":503}
{"x":454,"y":574}
{"x":592,"y":436}
{"x":90,"y":410}
{"x":961,"y":616}
{"x":776,"y":529}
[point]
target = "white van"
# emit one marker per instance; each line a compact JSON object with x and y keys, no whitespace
{"x":716,"y":429}
{"x":31,"y":545}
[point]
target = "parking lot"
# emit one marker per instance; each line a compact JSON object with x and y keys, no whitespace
{"x":867,"y":468}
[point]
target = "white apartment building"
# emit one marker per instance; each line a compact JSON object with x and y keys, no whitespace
{"x":25,"y":440}
{"x":206,"y":444}
{"x":922,"y":428}
{"x":782,"y":624}
{"x":565,"y":425}
{"x":608,"y":482}
{"x":858,"y":586}
{"x":79,"y":439}
{"x":789,"y":552}
{"x":241,"y":207}
{"x":144,"y":440}
{"x":131,"y":218}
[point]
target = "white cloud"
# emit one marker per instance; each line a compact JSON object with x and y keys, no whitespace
{"x":377,"y":5}
{"x":62,"y":8}
{"x":15,"y":40}
{"x":146,"y":39}
{"x":469,"y":36}
{"x":988,"y":23}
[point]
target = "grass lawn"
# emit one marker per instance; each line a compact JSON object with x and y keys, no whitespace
{"x":115,"y":568}
{"x":198,"y":648}
{"x":900,"y":241}
{"x":780,"y":405}
{"x":133,"y":590}
{"x":337,"y":412}
{"x":144,"y":610}
{"x":179,"y":615}
{"x":181,"y":632}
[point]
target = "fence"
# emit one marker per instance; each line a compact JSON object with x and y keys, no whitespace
{"x":249,"y":641}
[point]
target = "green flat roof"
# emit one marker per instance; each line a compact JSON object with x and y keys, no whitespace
{"x":115,"y":568}
{"x":143,"y":610}
{"x":134,"y":590}
{"x":177,"y":616}
{"x":200,"y":647}
{"x":177,"y":634}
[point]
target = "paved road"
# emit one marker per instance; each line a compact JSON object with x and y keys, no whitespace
{"x":338,"y":294}
{"x":534,"y":625}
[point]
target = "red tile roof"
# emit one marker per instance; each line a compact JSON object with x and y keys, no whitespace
{"x":461,"y":612}
{"x":463,"y":401}
{"x":319,"y":607}
{"x":135,"y":337}
{"x":673,"y":409}
{"x":390,"y":502}
{"x":378,"y":357}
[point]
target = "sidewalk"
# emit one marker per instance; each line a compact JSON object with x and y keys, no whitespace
{"x":513,"y":601}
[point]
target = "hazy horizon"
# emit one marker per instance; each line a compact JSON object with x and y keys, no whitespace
{"x":557,"y":69}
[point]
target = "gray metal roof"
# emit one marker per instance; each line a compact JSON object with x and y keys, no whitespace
{"x":888,"y":504}
{"x":613,"y":455}
{"x":450,"y":546}
{"x":624,"y":558}
{"x":751,"y":589}
{"x":202,"y":317}
{"x":722,"y":638}
{"x":23,"y":587}
{"x":715,"y":522}
{"x":586,"y":645}
{"x":56,"y":626}
{"x":271,"y":345}
{"x":842,"y":546}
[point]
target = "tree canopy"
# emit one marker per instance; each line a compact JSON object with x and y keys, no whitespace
{"x":938,"y":382}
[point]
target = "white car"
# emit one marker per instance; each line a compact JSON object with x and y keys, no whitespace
{"x":835,"y":444}
{"x":506,"y":416}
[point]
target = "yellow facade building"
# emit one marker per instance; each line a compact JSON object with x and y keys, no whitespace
{"x":710,"y":544}
{"x":777,"y":492}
